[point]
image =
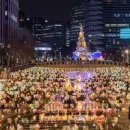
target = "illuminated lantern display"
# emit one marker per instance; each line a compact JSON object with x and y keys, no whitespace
{"x":68,"y":86}
{"x":124,"y":110}
{"x":81,"y":50}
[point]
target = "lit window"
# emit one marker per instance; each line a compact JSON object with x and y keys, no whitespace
{"x":113,"y":25}
{"x":6,"y":13}
{"x":28,"y":19}
{"x":107,"y":25}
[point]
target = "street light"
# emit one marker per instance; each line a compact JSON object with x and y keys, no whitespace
{"x":127,"y":56}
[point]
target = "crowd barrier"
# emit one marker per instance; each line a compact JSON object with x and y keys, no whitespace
{"x":21,"y":67}
{"x":16,"y":68}
{"x":77,"y":64}
{"x":69,"y":64}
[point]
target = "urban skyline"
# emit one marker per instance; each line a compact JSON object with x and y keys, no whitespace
{"x":95,"y":20}
{"x":105,"y":25}
{"x":64,"y":65}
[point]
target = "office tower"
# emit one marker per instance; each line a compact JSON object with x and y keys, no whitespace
{"x":54,"y":35}
{"x":68,"y":34}
{"x":94,"y":24}
{"x":77,"y":18}
{"x":22,"y":19}
{"x":35,"y":25}
{"x":9,"y":10}
{"x":107,"y":26}
{"x":116,"y":26}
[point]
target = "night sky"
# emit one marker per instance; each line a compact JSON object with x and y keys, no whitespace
{"x":52,"y":10}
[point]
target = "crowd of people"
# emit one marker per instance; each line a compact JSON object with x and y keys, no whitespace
{"x":57,"y":95}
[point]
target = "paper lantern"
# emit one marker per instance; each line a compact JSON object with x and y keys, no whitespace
{"x":124,"y":110}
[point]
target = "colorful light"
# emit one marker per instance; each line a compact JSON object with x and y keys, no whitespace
{"x":85,"y":75}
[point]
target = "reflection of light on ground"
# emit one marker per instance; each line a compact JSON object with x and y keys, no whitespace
{"x":85,"y":75}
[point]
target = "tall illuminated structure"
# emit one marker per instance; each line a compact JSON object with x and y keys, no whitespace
{"x":54,"y":35}
{"x":107,"y":25}
{"x":116,"y":27}
{"x":77,"y":18}
{"x":9,"y":11}
{"x":81,"y":50}
{"x":94,"y":24}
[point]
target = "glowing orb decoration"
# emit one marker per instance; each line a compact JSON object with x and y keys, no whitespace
{"x":84,"y":76}
{"x":68,"y":86}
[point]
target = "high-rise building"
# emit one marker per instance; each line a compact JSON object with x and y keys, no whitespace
{"x":68,"y":34}
{"x":36,"y":26}
{"x":116,"y":19}
{"x":94,"y":23}
{"x":9,"y":10}
{"x":54,"y":35}
{"x":107,"y":26}
{"x":77,"y":18}
{"x":22,"y":19}
{"x":47,"y":34}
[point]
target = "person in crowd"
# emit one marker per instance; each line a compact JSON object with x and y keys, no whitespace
{"x":54,"y":94}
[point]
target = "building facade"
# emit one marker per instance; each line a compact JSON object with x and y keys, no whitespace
{"x":49,"y":36}
{"x":77,"y":18}
{"x":94,"y":24}
{"x":116,"y":19}
{"x":68,"y":34}
{"x":9,"y":11}
{"x":22,"y":19}
{"x":35,"y":25}
{"x":54,"y":35}
{"x":107,"y":26}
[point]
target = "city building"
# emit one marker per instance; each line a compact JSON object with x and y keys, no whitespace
{"x":77,"y":18}
{"x":68,"y":33}
{"x":22,"y":19}
{"x":116,"y":19}
{"x":54,"y":35}
{"x":9,"y":11}
{"x":49,"y":36}
{"x":107,"y":26}
{"x":35,"y":25}
{"x":94,"y":24}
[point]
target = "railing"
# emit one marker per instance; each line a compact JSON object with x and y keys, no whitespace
{"x":21,"y":67}
{"x":81,"y":64}
{"x":18,"y":67}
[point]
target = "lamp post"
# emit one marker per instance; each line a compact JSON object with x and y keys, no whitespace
{"x":127,"y":56}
